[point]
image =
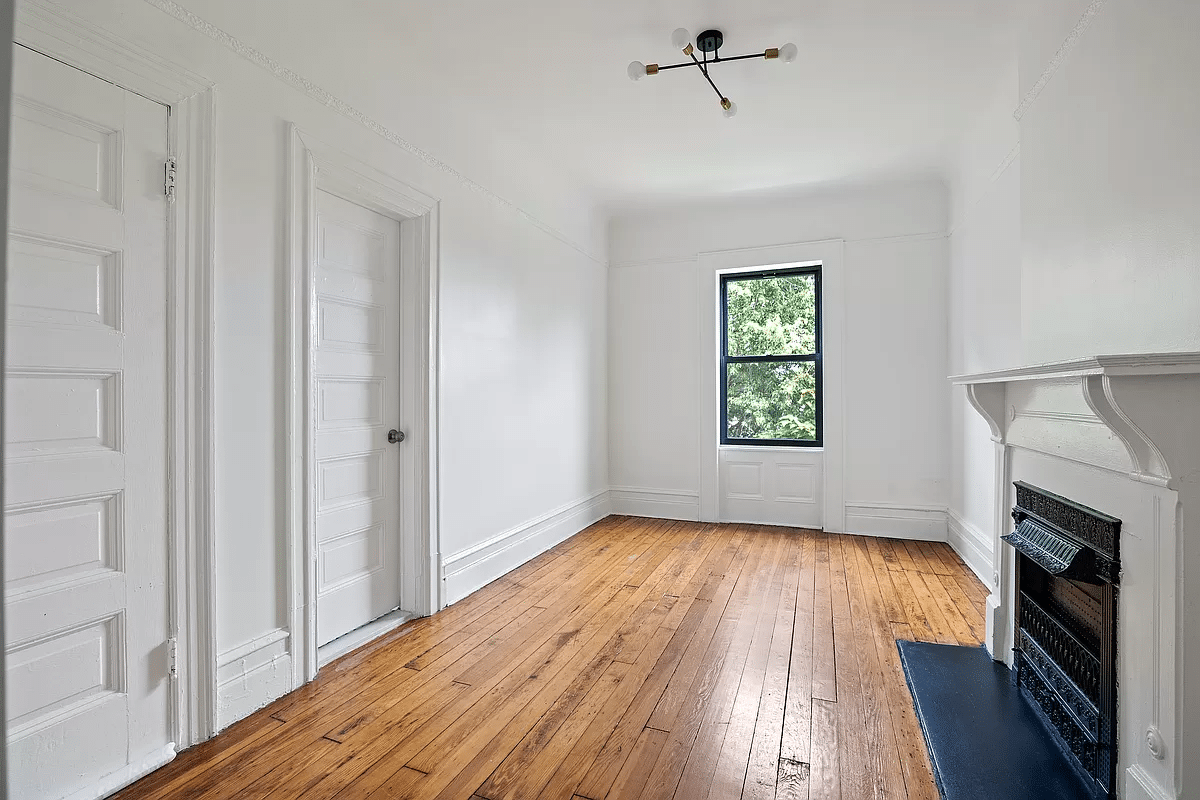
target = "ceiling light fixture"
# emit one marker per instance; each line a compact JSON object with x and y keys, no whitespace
{"x":709,"y":42}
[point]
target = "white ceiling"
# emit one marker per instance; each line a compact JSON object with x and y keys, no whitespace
{"x":880,"y":91}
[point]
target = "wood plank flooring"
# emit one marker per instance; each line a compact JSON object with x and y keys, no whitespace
{"x":639,"y":659}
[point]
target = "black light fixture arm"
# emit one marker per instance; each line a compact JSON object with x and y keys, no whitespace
{"x":704,"y":71}
{"x":662,"y":68}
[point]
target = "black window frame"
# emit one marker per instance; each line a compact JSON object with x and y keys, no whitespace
{"x":726,"y":359}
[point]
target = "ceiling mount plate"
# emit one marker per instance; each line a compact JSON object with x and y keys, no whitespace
{"x":710,"y":41}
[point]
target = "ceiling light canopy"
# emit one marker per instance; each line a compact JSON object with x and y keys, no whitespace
{"x":709,"y":42}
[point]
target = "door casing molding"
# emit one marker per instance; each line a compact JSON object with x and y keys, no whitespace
{"x":314,"y":165}
{"x":191,"y":137}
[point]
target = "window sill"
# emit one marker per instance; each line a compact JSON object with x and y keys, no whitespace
{"x":772,"y":448}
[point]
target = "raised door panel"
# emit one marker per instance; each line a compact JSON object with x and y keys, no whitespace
{"x":349,"y":326}
{"x":62,"y":542}
{"x":60,"y":413}
{"x":63,"y":284}
{"x":61,"y":153}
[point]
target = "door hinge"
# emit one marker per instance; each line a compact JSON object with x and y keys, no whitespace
{"x":173,"y":657}
{"x":169,"y":179}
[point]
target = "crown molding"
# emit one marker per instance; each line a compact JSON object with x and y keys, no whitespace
{"x":694,"y":257}
{"x":1059,"y":58}
{"x":302,"y":84}
{"x":653,"y":262}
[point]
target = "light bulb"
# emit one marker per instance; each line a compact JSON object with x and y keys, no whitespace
{"x":680,"y":38}
{"x":636,"y":71}
{"x":789,"y":53}
{"x":728,"y":107}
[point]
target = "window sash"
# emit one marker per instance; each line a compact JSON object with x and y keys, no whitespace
{"x":771,"y":359}
{"x":727,"y":359}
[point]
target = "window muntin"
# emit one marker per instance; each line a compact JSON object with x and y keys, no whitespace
{"x":771,"y":357}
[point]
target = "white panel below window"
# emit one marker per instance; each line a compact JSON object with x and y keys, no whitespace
{"x":772,"y":486}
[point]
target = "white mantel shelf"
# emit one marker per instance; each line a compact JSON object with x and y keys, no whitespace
{"x":1145,"y":364}
{"x":1124,"y":432}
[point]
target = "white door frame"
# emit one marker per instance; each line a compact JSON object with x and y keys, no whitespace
{"x":829,"y":253}
{"x":191,"y":136}
{"x":314,"y":165}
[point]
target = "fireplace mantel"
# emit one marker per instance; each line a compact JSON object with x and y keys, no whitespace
{"x":1124,"y":430}
{"x":1125,"y":365}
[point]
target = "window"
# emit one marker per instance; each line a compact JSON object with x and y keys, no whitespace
{"x":771,"y":357}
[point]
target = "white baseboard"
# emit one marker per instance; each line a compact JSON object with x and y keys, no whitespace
{"x":1139,"y":785}
{"x":923,"y":523}
{"x":657,"y":503}
{"x":252,"y":675}
{"x":973,"y":546}
{"x":473,"y":568}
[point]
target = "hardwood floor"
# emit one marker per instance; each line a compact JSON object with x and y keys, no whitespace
{"x":639,"y":659}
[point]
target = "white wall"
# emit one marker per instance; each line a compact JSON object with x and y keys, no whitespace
{"x":1075,"y":229}
{"x":985,"y":306}
{"x":522,"y":319}
{"x":897,"y":447}
{"x":1110,"y":180}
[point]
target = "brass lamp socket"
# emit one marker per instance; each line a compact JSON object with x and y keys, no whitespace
{"x":687,"y":51}
{"x":772,"y":52}
{"x":725,"y":104}
{"x":652,"y":69}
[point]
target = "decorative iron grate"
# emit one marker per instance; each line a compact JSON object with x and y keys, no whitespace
{"x":1068,"y":569}
{"x":1070,"y":654}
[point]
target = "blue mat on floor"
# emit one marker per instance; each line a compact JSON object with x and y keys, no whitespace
{"x":986,"y":741}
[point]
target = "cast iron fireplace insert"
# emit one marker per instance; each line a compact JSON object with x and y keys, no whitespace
{"x":1068,"y":576}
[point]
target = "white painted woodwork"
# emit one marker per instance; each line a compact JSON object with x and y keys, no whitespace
{"x":49,"y":28}
{"x":314,"y":165}
{"x":89,"y":687}
{"x":356,"y":400}
{"x":475,"y":567}
{"x":755,"y":486}
{"x":1119,"y":434}
{"x":772,"y":485}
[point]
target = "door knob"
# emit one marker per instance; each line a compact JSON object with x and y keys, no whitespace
{"x":395,"y":436}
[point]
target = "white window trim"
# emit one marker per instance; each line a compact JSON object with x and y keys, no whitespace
{"x":829,"y":254}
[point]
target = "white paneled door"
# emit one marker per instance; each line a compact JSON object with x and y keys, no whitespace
{"x":356,"y":403}
{"x":87,"y":650}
